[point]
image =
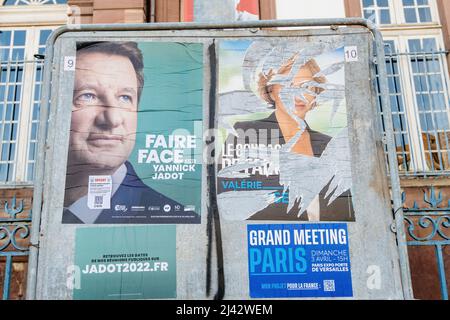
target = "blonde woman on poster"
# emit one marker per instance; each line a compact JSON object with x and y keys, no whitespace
{"x":291,"y":88}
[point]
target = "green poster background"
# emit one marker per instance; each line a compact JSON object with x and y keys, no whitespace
{"x":171,"y":102}
{"x":155,"y":241}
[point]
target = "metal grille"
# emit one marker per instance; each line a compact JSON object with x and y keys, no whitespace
{"x":429,"y":227}
{"x":419,"y":98}
{"x":15,"y":225}
{"x":20,"y":89}
{"x":12,"y":50}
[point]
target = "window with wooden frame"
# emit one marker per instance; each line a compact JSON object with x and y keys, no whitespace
{"x":400,"y":12}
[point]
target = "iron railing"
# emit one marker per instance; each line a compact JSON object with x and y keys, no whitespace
{"x":14,"y":236}
{"x":20,"y":88}
{"x":19,"y":110}
{"x":430,"y":227}
{"x":419,"y":98}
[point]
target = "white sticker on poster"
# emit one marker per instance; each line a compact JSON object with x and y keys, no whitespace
{"x":69,"y":63}
{"x":351,"y":54}
{"x":99,"y":192}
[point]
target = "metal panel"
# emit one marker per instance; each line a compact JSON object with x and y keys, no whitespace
{"x":371,"y":242}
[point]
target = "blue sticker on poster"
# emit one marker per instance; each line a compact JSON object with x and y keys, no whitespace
{"x":299,"y":260}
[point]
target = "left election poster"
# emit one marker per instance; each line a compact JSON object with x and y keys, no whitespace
{"x":129,"y":262}
{"x":135,"y":134}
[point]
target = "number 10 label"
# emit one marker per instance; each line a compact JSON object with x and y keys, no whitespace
{"x":351,"y":54}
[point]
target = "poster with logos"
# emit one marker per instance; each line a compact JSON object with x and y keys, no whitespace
{"x":134,"y":153}
{"x":129,"y":262}
{"x":284,"y":148}
{"x":299,"y":260}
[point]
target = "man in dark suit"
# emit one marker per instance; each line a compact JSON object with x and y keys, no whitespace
{"x":108,"y":85}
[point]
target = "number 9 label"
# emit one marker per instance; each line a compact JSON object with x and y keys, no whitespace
{"x":69,"y":63}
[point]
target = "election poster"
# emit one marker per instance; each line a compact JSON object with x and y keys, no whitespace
{"x":135,"y":134}
{"x":240,"y":10}
{"x":128,"y":262}
{"x":299,"y":260}
{"x":284,"y":139}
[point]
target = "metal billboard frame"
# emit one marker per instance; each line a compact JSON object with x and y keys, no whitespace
{"x":332,"y":23}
